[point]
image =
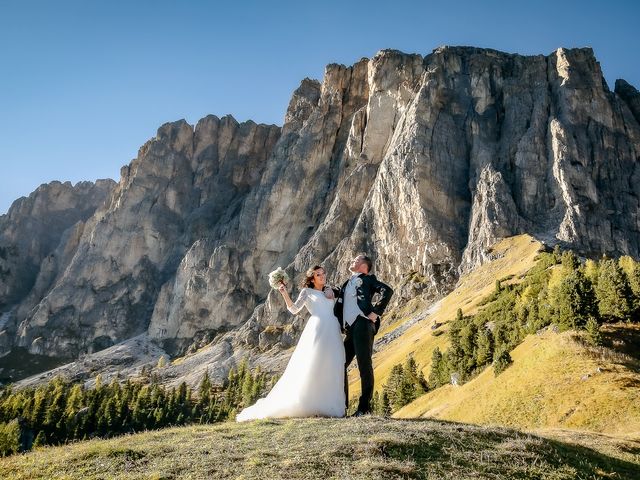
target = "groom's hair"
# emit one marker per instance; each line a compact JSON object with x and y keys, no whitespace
{"x":368,"y":261}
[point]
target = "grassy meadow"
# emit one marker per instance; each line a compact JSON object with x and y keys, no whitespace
{"x":363,"y":448}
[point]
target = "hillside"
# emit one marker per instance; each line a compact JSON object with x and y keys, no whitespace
{"x":554,"y":382}
{"x":511,"y":257}
{"x":369,"y":447}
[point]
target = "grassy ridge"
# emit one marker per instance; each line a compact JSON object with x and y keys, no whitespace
{"x":554,"y":381}
{"x":369,"y":447}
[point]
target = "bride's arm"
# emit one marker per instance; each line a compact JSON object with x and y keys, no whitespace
{"x":291,"y":306}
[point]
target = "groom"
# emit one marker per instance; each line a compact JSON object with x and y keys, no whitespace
{"x":360,"y":320}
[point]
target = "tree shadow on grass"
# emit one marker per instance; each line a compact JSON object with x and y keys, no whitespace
{"x":485,"y":452}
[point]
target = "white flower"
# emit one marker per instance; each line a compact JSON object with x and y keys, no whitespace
{"x":358,"y":282}
{"x":277,"y":277}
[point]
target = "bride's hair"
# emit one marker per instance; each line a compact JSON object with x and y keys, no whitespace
{"x":308,"y":277}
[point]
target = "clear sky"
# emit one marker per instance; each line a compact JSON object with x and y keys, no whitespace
{"x":83,"y":84}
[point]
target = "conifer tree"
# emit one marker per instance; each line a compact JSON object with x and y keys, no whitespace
{"x":501,"y":360}
{"x":569,"y":260}
{"x":75,"y":401}
{"x":574,"y":300}
{"x":613,"y":292}
{"x":632,"y":270}
{"x":484,"y":346}
{"x":593,"y":332}
{"x":9,"y":438}
{"x":39,"y":407}
{"x":394,"y":387}
{"x":385,"y":406}
{"x":40,"y":440}
{"x":591,"y":271}
{"x":437,"y":374}
{"x":415,"y":384}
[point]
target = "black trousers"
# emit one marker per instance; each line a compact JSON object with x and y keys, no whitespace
{"x":359,"y":343}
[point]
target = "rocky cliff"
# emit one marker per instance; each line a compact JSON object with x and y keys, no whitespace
{"x":38,"y":237}
{"x":421,"y":161}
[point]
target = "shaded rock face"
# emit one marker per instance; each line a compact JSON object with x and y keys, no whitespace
{"x":36,"y":225}
{"x":423,"y":162}
{"x":185,"y":185}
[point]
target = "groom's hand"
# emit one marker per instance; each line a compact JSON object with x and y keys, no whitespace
{"x":373,"y":317}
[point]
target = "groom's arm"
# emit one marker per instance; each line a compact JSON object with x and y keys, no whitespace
{"x":385,"y":292}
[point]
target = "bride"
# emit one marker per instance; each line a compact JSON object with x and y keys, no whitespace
{"x":313,"y":382}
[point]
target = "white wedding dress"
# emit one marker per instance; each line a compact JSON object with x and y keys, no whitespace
{"x":313,"y":382}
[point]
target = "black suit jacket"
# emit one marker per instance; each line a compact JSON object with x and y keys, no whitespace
{"x":368,"y":287}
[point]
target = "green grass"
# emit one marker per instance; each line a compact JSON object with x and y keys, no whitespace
{"x":369,"y":447}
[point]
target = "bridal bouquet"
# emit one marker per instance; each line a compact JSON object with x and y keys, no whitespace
{"x":278,"y":276}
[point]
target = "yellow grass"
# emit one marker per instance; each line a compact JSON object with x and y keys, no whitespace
{"x":554,"y":382}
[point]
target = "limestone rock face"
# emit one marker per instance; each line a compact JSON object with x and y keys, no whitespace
{"x":34,"y":226}
{"x":630,"y":95}
{"x":185,"y":185}
{"x":421,"y":161}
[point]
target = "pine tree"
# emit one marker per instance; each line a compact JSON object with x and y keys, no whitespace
{"x":39,"y":408}
{"x":247,"y":389}
{"x":40,"y":440}
{"x":484,"y":346}
{"x":162,"y":362}
{"x":375,"y":403}
{"x":435,"y":376}
{"x":204,"y":399}
{"x":533,"y":318}
{"x":501,"y":360}
{"x":141,"y":408}
{"x":394,"y":387}
{"x":9,"y":438}
{"x":74,"y":404}
{"x":569,"y":260}
{"x":574,"y":300}
{"x":111,"y":419}
{"x":632,"y":270}
{"x":593,"y":332}
{"x":385,"y":405}
{"x":468,"y":347}
{"x":54,"y":416}
{"x":414,"y":384}
{"x":258,"y":385}
{"x":613,"y":292}
{"x":591,"y":271}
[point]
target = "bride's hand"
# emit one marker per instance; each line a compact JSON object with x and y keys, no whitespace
{"x":328,"y":292}
{"x":282,"y":288}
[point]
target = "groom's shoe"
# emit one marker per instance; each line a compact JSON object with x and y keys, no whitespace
{"x":357,"y":413}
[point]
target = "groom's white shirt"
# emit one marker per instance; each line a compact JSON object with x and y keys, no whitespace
{"x":351,"y":310}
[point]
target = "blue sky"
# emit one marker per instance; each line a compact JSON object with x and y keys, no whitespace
{"x":83,"y":84}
